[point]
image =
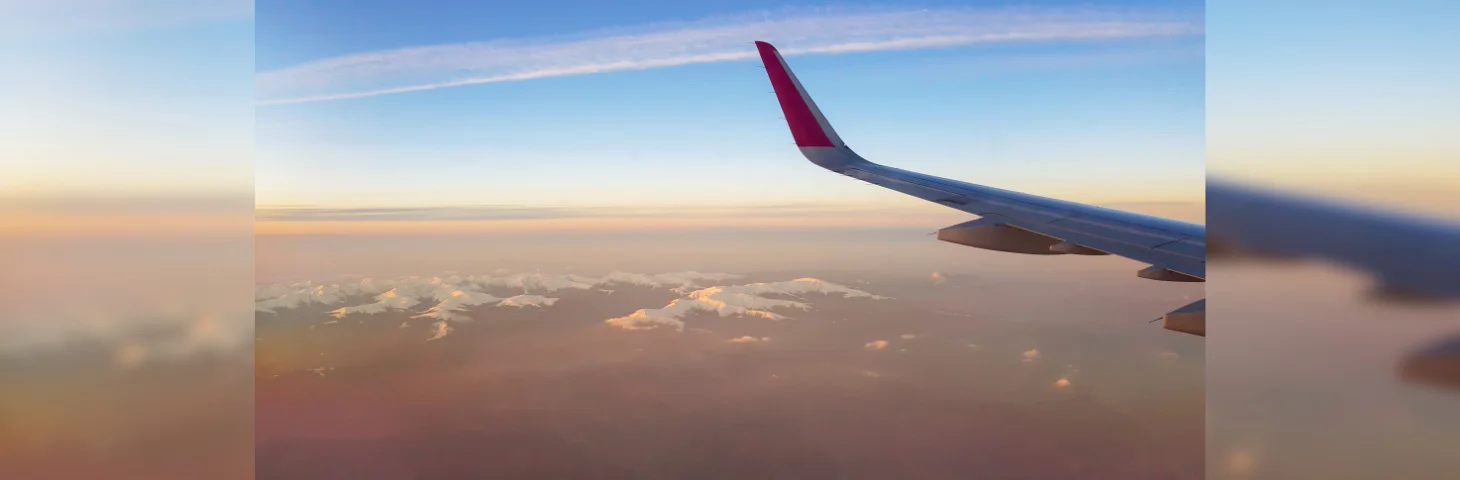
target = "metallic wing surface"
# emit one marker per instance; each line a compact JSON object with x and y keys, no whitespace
{"x":1410,"y":257}
{"x":1008,"y":221}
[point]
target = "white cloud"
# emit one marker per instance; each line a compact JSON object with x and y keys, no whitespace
{"x":1031,"y":355}
{"x":455,"y":292}
{"x":749,"y":339}
{"x":742,"y":300}
{"x":528,"y":301}
{"x":876,"y":345}
{"x":272,"y":297}
{"x":391,"y":300}
{"x":711,"y":40}
{"x":454,"y":301}
{"x":440,"y":329}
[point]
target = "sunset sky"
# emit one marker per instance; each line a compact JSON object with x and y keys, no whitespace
{"x":662,"y":106}
{"x":160,"y":158}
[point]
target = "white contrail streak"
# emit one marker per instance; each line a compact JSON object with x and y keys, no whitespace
{"x":713,"y":40}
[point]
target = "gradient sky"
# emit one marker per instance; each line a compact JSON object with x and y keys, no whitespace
{"x":1343,"y":98}
{"x":126,"y":98}
{"x":1127,"y":111}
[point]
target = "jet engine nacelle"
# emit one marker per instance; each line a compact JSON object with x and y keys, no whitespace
{"x":992,"y":234}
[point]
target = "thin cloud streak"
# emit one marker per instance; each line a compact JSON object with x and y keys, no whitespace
{"x":707,"y":41}
{"x":520,"y":212}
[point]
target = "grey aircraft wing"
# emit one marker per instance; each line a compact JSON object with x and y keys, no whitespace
{"x":1009,"y":221}
{"x":1410,"y":257}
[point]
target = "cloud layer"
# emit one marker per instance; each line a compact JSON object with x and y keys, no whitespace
{"x":711,"y":40}
{"x":453,"y":294}
{"x":739,"y":300}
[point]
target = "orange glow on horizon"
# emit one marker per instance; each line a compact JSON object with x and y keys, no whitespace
{"x":117,"y":219}
{"x":600,"y":224}
{"x":122,"y":224}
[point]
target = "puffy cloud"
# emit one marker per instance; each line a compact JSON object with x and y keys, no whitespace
{"x":741,"y":300}
{"x":679,"y":279}
{"x":536,"y":282}
{"x":455,"y":292}
{"x":749,"y":339}
{"x":454,"y":301}
{"x":440,"y":329}
{"x":391,"y":300}
{"x":876,"y":345}
{"x":1031,"y":355}
{"x":268,"y":298}
{"x":1062,"y":383}
{"x":528,"y":301}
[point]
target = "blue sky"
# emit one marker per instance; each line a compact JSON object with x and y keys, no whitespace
{"x":1343,"y":96}
{"x":1059,"y":116}
{"x":127,"y":98}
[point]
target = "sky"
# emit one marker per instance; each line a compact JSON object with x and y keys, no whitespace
{"x":126,"y":98}
{"x":1336,"y":98}
{"x":662,"y":106}
{"x":153,"y":102}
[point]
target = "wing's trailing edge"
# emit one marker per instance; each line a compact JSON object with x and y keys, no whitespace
{"x":1009,"y":221}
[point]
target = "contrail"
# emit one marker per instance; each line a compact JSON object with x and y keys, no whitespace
{"x":720,"y":39}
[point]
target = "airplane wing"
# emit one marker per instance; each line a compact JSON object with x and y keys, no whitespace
{"x":1410,"y":257}
{"x":1009,"y":221}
